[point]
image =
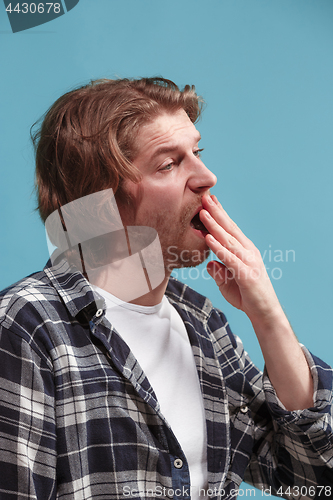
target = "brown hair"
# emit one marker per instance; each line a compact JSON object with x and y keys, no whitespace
{"x":86,"y":142}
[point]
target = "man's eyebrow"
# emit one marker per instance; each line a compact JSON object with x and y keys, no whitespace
{"x":170,"y":148}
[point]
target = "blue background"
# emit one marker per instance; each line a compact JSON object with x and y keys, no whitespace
{"x":265,"y":69}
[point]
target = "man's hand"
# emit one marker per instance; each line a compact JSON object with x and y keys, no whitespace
{"x":243,"y":281}
{"x":242,"y":278}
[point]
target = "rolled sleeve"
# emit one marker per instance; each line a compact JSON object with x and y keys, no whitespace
{"x":312,"y":426}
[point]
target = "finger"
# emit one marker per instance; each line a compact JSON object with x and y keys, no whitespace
{"x":219,"y":272}
{"x":229,"y":259}
{"x":225,"y":239}
{"x":239,"y":269}
{"x":216,"y":201}
{"x":214,"y":207}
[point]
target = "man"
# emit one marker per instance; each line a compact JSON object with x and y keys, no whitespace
{"x":117,"y":380}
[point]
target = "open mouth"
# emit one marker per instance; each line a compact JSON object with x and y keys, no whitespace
{"x":197,"y":224}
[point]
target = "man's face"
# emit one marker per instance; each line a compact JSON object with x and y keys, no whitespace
{"x":174,"y":180}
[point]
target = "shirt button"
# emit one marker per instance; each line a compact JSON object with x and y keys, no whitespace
{"x":99,"y":313}
{"x":178,"y":463}
{"x":244,"y":409}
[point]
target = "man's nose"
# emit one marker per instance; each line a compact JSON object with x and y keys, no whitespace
{"x":201,"y":178}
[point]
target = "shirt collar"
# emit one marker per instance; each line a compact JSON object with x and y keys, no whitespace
{"x":80,"y":299}
{"x":73,"y":288}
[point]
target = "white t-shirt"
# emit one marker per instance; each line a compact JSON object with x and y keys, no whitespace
{"x":158,"y":339}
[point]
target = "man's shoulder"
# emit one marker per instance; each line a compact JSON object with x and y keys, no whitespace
{"x":179,"y":292}
{"x":35,"y":288}
{"x":30,"y":288}
{"x":24,"y":306}
{"x":192,"y":301}
{"x":53,"y":287}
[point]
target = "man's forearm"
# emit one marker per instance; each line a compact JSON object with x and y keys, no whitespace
{"x":285,"y":361}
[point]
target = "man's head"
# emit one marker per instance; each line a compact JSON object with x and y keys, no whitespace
{"x":173,"y":181}
{"x":87,"y":140}
{"x":124,"y":135}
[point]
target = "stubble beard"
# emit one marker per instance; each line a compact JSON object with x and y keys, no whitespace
{"x":177,"y":252}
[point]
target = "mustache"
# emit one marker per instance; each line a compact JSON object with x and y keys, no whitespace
{"x":188,"y":213}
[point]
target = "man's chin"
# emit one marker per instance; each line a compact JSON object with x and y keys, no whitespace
{"x":175,"y":258}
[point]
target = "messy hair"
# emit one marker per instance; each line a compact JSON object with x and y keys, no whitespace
{"x":87,"y":139}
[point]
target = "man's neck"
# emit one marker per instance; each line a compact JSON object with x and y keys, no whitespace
{"x":153,"y":297}
{"x":124,"y":289}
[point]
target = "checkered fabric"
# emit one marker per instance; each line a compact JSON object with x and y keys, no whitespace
{"x":79,"y":419}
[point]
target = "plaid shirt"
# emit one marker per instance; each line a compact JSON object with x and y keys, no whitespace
{"x":79,"y":419}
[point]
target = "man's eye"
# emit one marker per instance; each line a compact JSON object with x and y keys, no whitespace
{"x":167,"y":167}
{"x":197,"y":152}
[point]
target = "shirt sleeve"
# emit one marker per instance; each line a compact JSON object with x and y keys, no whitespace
{"x":296,"y":448}
{"x":27,"y":421}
